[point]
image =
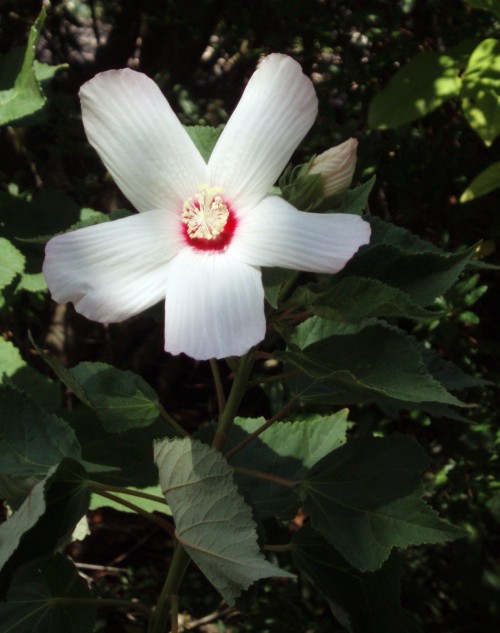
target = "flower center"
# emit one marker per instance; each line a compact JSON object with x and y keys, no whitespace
{"x":208,"y":221}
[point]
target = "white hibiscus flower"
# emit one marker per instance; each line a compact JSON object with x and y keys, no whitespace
{"x":204,"y":230}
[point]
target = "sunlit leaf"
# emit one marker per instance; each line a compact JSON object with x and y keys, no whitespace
{"x":488,"y":180}
{"x":46,"y":597}
{"x":212,"y":521}
{"x":12,"y":262}
{"x":361,"y":602}
{"x":25,"y":96}
{"x":15,"y":370}
{"x":422,"y":85}
{"x":481,"y":90}
{"x":286,"y":449}
{"x":10,"y":359}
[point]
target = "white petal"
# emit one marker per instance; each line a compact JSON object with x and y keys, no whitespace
{"x":140,"y":140}
{"x":214,"y":306}
{"x":277,"y":109}
{"x":276,"y":234}
{"x":113,"y":270}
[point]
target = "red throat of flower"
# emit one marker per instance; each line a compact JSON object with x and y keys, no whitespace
{"x":208,"y":221}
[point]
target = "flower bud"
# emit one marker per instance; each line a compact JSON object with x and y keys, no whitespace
{"x":337,"y":166}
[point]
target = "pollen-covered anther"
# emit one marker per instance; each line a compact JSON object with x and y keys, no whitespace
{"x":205,"y":216}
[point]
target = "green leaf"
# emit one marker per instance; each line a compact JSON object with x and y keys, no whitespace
{"x":212,"y":521}
{"x":345,"y":494}
{"x":205,"y":138}
{"x":33,"y":221}
{"x":357,"y":298}
{"x":130,"y":453}
{"x":31,"y":442}
{"x":448,"y":374}
{"x":355,"y":200}
{"x":15,"y":370}
{"x":400,"y":238}
{"x":306,"y":192}
{"x":121,"y":399}
{"x":61,"y":372}
{"x":404,"y":261}
{"x":34,"y":600}
{"x":45,"y":73}
{"x":10,"y":359}
{"x":368,"y":362}
{"x":90,"y":217}
{"x":361,"y":602}
{"x":25,"y":97}
{"x":422,"y":85}
{"x":46,"y":519}
{"x":487,"y":181}
{"x":275,"y":281}
{"x":481,"y":90}
{"x":307,"y":440}
{"x":486,"y":5}
{"x":12,"y":262}
{"x":286,"y":449}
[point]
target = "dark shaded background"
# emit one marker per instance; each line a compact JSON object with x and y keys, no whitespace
{"x":201,"y":53}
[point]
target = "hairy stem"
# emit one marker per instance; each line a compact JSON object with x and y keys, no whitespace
{"x":221,"y":399}
{"x":97,"y":487}
{"x":178,"y":567}
{"x":165,"y":525}
{"x":105,"y":602}
{"x":174,"y":613}
{"x":289,"y":483}
{"x":277,"y":416}
{"x":285,"y":547}
{"x":277,"y":377}
{"x":167,"y":605}
{"x":172,"y":422}
{"x":238,"y":389}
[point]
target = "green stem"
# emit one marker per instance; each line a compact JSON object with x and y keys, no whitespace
{"x":172,"y":422}
{"x":180,"y":559}
{"x":131,"y":506}
{"x":105,"y":602}
{"x":174,"y":613}
{"x":97,"y":487}
{"x":286,"y":288}
{"x":221,"y":399}
{"x":289,"y":483}
{"x":285,"y":547}
{"x":178,"y":567}
{"x":238,"y":389}
{"x":277,"y":377}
